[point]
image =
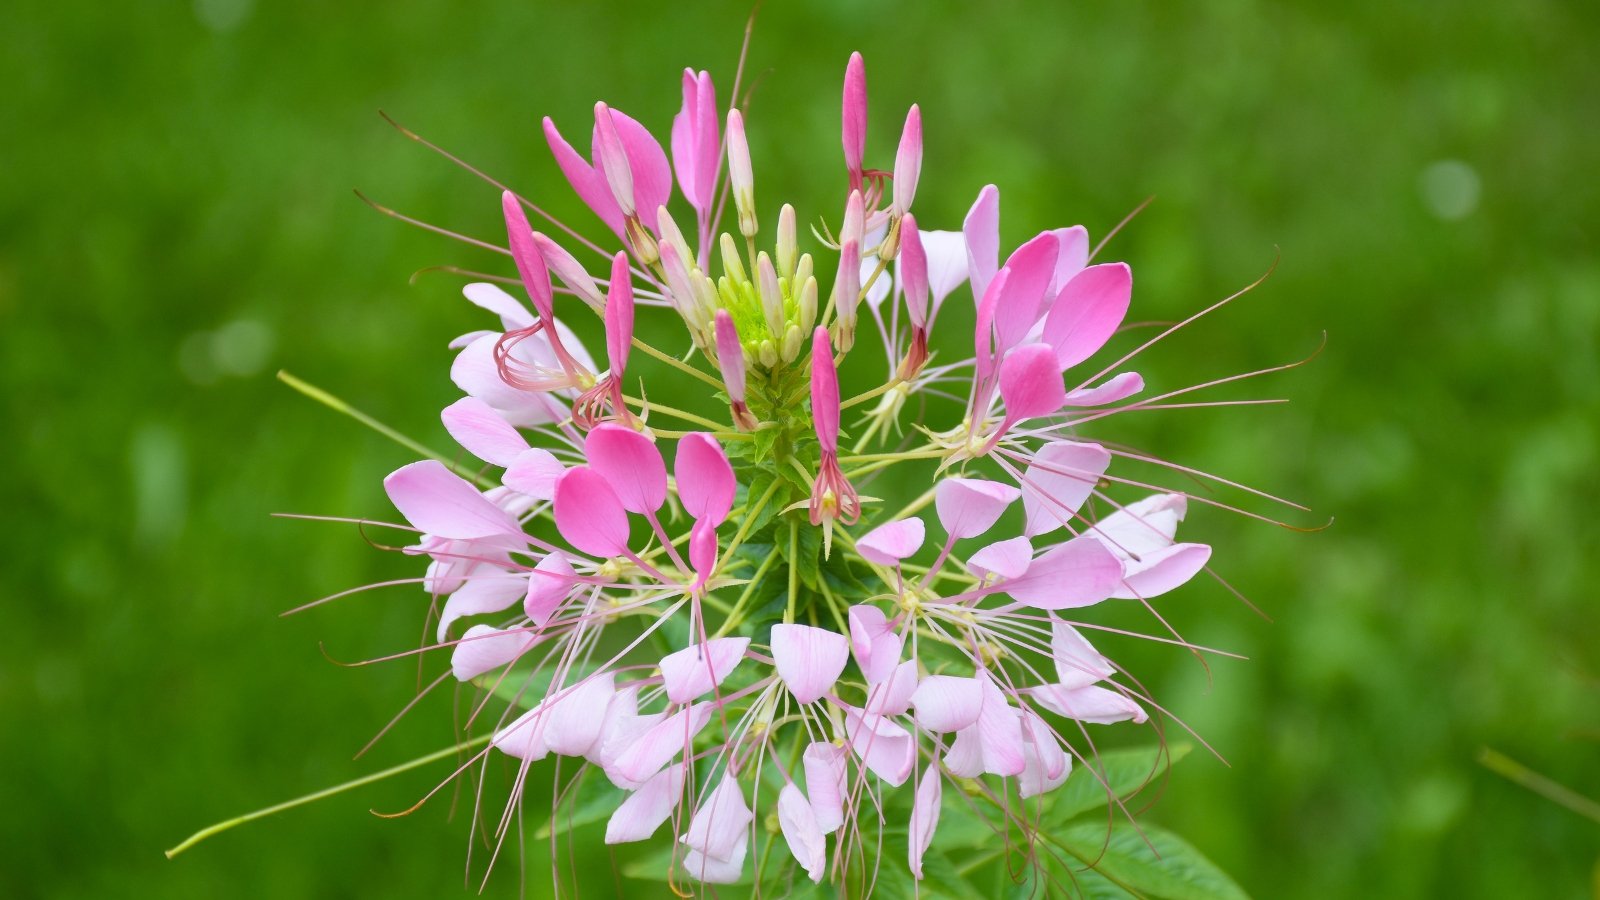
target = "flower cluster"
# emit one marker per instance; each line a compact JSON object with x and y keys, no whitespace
{"x":741,"y":641}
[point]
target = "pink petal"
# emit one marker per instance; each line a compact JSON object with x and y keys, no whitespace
{"x":874,"y":643}
{"x":809,"y":659}
{"x":1030,"y":383}
{"x":947,"y":703}
{"x":981,"y":229}
{"x":547,"y":586}
{"x":1095,"y":705}
{"x":825,"y":783}
{"x":1161,"y":571}
{"x":486,"y":591}
{"x":892,"y":695}
{"x":647,"y":162}
{"x":721,"y":821}
{"x":1058,"y":480}
{"x":1032,"y":266}
{"x":891,"y":542}
{"x":1081,"y":572}
{"x":534,"y":472}
{"x":698,"y":668}
{"x":570,"y":271}
{"x":1143,"y":527}
{"x":711,"y":870}
{"x":853,"y":122}
{"x":703,"y":551}
{"x":611,"y":160}
{"x":492,"y":297}
{"x":442,"y":503}
{"x":999,"y":730}
{"x":659,"y":744}
{"x":801,"y":831}
{"x":484,"y":649}
{"x":924,"y":816}
{"x":695,"y":141}
{"x":530,"y":262}
{"x":730,"y":356}
{"x":588,"y":513}
{"x":1077,"y":662}
{"x":484,"y":433}
{"x":572,"y":726}
{"x":968,"y":507}
{"x":1005,"y":559}
{"x":619,"y":316}
{"x":965,"y":757}
{"x":1119,"y":387}
{"x":912,"y":270}
{"x":885,"y":748}
{"x":589,"y":184}
{"x":705,"y":479}
{"x":1046,"y":764}
{"x":824,"y":391}
{"x":1088,"y":312}
{"x":524,"y":737}
{"x":1073,"y":256}
{"x":908,"y":160}
{"x":645,"y":810}
{"x":630,"y":463}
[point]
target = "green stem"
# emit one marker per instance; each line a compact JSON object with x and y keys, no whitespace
{"x":794,"y":570}
{"x":220,"y":827}
{"x":653,"y":406}
{"x":893,"y":455}
{"x":1509,"y":768}
{"x":868,"y":395}
{"x":676,"y":363}
{"x":744,"y":526}
{"x":736,"y":614}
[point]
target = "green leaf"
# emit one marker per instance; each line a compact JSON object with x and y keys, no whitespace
{"x":1125,"y":772}
{"x":596,"y":804}
{"x":1039,"y":882}
{"x":1148,"y":860}
{"x":658,"y":865}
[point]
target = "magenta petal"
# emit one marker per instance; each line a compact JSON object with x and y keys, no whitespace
{"x":946,"y":703}
{"x":589,"y":184}
{"x":1119,"y":387}
{"x":968,"y":507}
{"x":696,"y":669}
{"x":809,"y":659}
{"x":1078,"y":664}
{"x":1018,"y":307}
{"x":911,"y":270}
{"x":1095,"y":705}
{"x":484,"y":433}
{"x":648,"y":808}
{"x":1058,"y":480}
{"x":588,"y":513}
{"x":485,"y":591}
{"x":695,"y":140}
{"x":885,"y":748}
{"x":659,"y":744}
{"x":1004,"y":559}
{"x":1088,"y":312}
{"x":853,"y":121}
{"x":1030,"y":383}
{"x":705,"y":478}
{"x":441,"y":503}
{"x":525,"y":253}
{"x":1162,"y":570}
{"x":703,"y":550}
{"x":891,"y":542}
{"x":484,"y":649}
{"x":534,"y":472}
{"x":1081,"y":572}
{"x":802,"y":832}
{"x":892,"y":695}
{"x":630,"y":463}
{"x":547,"y":586}
{"x":924,"y":817}
{"x":824,"y":764}
{"x":1073,"y":256}
{"x":824,"y":391}
{"x":981,"y":229}
{"x":619,"y":317}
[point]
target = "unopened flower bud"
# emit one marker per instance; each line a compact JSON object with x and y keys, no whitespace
{"x":569,"y":270}
{"x":854,"y":229}
{"x":908,"y":161}
{"x":771,"y":294}
{"x":788,"y":242}
{"x":732,"y":265}
{"x":740,"y":177}
{"x":667,"y":227}
{"x":767,"y":353}
{"x":808,"y":304}
{"x":802,"y":270}
{"x":793,"y":339}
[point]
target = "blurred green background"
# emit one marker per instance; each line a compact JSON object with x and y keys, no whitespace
{"x":176,"y":224}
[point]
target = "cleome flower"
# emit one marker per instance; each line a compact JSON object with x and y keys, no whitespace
{"x":739,"y":644}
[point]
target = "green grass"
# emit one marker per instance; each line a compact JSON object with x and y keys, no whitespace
{"x":176,"y":224}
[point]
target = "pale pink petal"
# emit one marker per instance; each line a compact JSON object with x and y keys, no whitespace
{"x":1030,"y":383}
{"x":1095,"y":705}
{"x":513,"y":315}
{"x":1074,"y":255}
{"x":589,"y":184}
{"x":441,"y":503}
{"x":696,"y":669}
{"x":588,"y":513}
{"x":476,"y":373}
{"x":965,"y":756}
{"x":611,"y":160}
{"x":1081,"y":572}
{"x":534,"y":472}
{"x":809,"y":659}
{"x":924,"y":816}
{"x":874,"y":643}
{"x":646,"y":809}
{"x":571,"y":272}
{"x":1058,"y":480}
{"x":946,"y":703}
{"x":547,"y":586}
{"x":1005,"y":559}
{"x":999,"y":729}
{"x":621,"y":713}
{"x":573,"y":726}
{"x":484,"y":433}
{"x":705,"y":479}
{"x":892,"y":695}
{"x":484,"y":649}
{"x":486,"y":591}
{"x":891,"y":542}
{"x":946,"y":253}
{"x":1077,"y":662}
{"x":801,"y":831}
{"x":824,"y":391}
{"x":968,"y":507}
{"x":711,"y":870}
{"x":1018,"y":307}
{"x":524,"y":737}
{"x":885,"y":748}
{"x":631,"y":464}
{"x":1046,"y":764}
{"x":1160,"y":571}
{"x":1119,"y":387}
{"x":647,"y":162}
{"x":723,"y":818}
{"x":1143,"y":527}
{"x":1088,"y":312}
{"x":659,"y":744}
{"x":824,"y":763}
{"x":981,"y":230}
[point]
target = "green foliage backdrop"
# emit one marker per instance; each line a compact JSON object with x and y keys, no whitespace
{"x":176,"y":224}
